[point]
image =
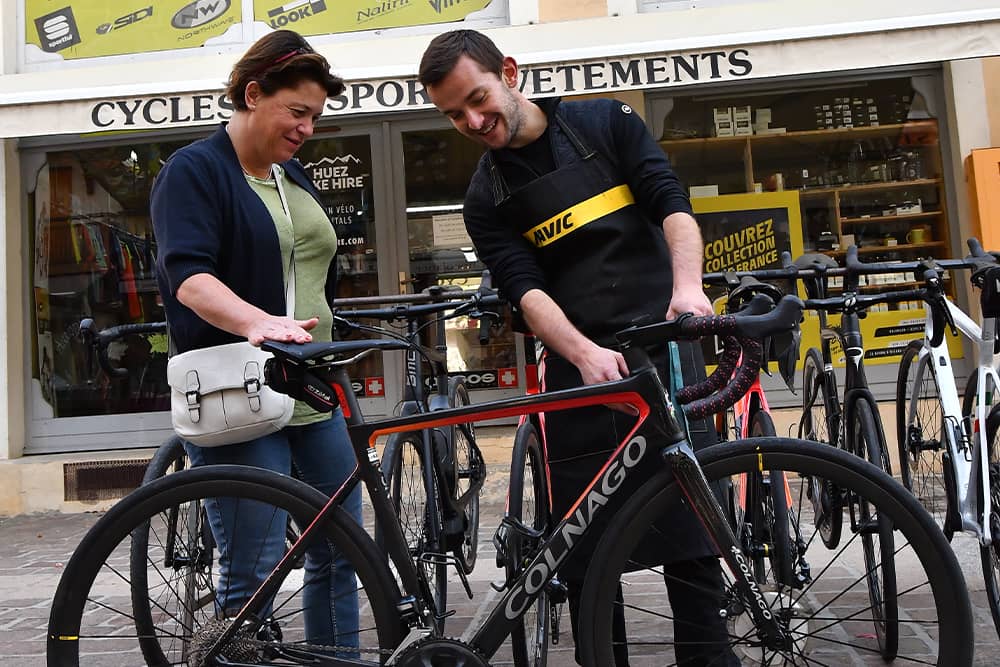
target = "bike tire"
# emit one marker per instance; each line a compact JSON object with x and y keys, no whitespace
{"x":920,"y":439}
{"x":528,"y":502}
{"x":819,"y":393}
{"x":169,"y":457}
{"x":470,"y":470}
{"x":877,"y":539}
{"x":828,"y":617}
{"x":770,"y":524}
{"x":91,"y":612}
{"x":990,"y":553}
{"x":419,"y":512}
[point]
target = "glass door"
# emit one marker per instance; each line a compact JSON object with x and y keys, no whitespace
{"x":431,"y":177}
{"x":347,"y":170}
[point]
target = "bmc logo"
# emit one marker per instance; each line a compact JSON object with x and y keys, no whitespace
{"x":199,"y":13}
{"x":125,"y":21}
{"x":57,"y":31}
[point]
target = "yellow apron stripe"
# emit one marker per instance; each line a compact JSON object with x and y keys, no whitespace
{"x":578,"y":215}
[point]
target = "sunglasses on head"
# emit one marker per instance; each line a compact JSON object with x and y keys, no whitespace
{"x":291,"y":54}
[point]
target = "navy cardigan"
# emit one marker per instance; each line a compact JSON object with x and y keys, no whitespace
{"x":207,"y":219}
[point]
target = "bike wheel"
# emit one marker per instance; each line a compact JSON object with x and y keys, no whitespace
{"x":767,"y":524}
{"x":418,"y":510}
{"x":919,"y":432}
{"x":819,"y":393}
{"x":470,"y":471}
{"x":990,"y":553}
{"x":528,"y":504}
{"x":91,"y":621}
{"x":829,"y":619}
{"x":876,"y":531}
{"x":169,"y":457}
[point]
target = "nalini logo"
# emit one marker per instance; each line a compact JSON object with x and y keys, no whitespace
{"x":441,"y":5}
{"x":292,"y":12}
{"x":199,"y":13}
{"x":57,"y":30}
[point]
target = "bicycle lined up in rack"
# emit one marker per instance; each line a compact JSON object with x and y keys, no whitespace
{"x":950,"y":447}
{"x":650,"y":475}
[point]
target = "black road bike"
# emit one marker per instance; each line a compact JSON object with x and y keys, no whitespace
{"x":649,"y":477}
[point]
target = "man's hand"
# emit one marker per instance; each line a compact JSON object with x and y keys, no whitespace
{"x":691,"y":300}
{"x":599,"y":364}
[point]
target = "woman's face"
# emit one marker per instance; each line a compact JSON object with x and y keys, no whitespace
{"x":282,"y":122}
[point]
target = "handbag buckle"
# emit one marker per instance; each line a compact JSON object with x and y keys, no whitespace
{"x":251,"y":385}
{"x":193,"y":397}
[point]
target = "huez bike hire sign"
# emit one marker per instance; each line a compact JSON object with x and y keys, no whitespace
{"x":76,"y":29}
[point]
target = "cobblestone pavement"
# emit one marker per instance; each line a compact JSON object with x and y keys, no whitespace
{"x":34,"y":548}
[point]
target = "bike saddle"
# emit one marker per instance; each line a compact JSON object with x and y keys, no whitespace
{"x":325,"y":353}
{"x":815,"y":260}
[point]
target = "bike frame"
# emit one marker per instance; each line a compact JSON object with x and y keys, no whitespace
{"x":968,"y":450}
{"x":642,"y":390}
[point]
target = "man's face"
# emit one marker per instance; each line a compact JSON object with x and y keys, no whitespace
{"x":480,"y":104}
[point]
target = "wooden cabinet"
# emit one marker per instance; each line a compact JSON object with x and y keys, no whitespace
{"x":879,"y":187}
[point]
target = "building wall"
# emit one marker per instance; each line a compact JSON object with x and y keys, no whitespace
{"x":972,"y":90}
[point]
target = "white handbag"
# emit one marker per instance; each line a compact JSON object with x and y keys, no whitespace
{"x":217,"y":394}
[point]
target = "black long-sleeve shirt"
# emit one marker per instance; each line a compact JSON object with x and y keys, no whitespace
{"x":605,"y":125}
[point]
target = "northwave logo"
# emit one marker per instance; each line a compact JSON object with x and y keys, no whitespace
{"x":199,"y":13}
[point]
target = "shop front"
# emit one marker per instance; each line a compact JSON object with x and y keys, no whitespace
{"x":809,"y":144}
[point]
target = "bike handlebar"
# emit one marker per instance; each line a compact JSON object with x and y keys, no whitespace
{"x":100,"y":340}
{"x":746,"y":329}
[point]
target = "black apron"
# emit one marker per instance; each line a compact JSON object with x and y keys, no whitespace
{"x":607,"y":266}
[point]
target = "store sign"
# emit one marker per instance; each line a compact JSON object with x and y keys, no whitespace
{"x":320,"y":17}
{"x":406,"y":94}
{"x":89,"y":29}
{"x":342,"y":181}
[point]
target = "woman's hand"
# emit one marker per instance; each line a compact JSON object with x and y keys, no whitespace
{"x":281,"y":329}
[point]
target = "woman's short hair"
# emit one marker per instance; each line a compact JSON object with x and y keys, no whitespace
{"x":445,"y":50}
{"x":280,"y":59}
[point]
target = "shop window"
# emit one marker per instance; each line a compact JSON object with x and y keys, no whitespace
{"x":93,"y":257}
{"x":864,"y":159}
{"x":438,"y":166}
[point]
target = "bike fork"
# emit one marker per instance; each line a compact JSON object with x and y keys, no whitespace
{"x":692,"y":481}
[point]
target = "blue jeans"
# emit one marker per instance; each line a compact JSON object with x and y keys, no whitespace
{"x":251,"y":538}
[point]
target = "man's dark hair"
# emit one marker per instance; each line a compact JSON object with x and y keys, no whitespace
{"x":445,"y":50}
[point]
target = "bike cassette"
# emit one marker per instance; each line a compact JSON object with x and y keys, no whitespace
{"x":441,"y":652}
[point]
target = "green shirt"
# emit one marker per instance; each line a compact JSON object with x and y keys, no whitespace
{"x":315,"y":242}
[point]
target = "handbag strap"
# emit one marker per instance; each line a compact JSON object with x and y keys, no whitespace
{"x":290,"y":287}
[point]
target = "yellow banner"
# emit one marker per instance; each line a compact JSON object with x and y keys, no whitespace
{"x":578,"y":215}
{"x":316,"y":17}
{"x":89,"y":28}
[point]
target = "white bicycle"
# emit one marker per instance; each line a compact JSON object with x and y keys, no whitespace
{"x":950,"y":456}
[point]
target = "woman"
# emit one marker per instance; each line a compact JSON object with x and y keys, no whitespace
{"x":228,"y":211}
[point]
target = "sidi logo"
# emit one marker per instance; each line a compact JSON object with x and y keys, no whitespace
{"x":57,"y":31}
{"x":125,"y":21}
{"x":199,"y":13}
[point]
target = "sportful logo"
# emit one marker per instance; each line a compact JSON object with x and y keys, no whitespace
{"x":199,"y":13}
{"x":294,"y":11}
{"x":57,"y":31}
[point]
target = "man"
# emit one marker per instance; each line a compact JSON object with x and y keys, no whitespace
{"x":582,"y":223}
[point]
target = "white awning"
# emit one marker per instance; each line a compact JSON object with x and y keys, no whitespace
{"x":579,"y":57}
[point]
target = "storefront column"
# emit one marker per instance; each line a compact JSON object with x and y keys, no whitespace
{"x":991,"y":79}
{"x":12,"y":307}
{"x":968,"y":128}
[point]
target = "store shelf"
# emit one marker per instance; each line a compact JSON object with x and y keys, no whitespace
{"x":890,"y":218}
{"x":869,"y":250}
{"x":862,"y":187}
{"x":928,"y":127}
